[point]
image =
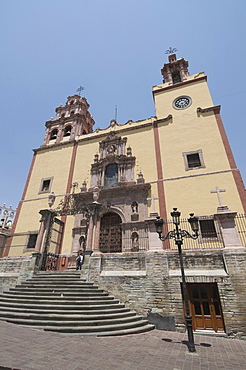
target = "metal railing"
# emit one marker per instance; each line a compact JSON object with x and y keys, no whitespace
{"x":209,"y":235}
{"x":240,"y":221}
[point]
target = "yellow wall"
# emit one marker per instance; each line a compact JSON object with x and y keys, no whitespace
{"x":186,"y":132}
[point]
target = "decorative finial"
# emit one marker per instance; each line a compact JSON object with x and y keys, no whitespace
{"x":171,"y":50}
{"x":81,"y":88}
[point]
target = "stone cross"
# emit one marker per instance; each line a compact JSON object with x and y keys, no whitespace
{"x":153,"y":198}
{"x":218,"y":191}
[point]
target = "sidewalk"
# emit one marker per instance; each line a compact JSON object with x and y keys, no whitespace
{"x":26,"y":348}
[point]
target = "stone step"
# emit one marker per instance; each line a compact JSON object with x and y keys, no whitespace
{"x":57,"y":288}
{"x":93,"y":310}
{"x":91,"y":328}
{"x":43,"y":293}
{"x":58,"y":273}
{"x":49,"y":306}
{"x":73,"y":322}
{"x":85,"y":316}
{"x":57,"y":299}
{"x":60,"y":301}
{"x":106,"y":333}
{"x":66,"y":303}
{"x":55,"y":282}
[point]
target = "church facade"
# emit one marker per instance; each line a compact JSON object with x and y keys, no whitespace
{"x":105,"y":188}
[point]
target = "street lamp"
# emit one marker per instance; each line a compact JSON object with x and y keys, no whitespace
{"x":177,"y":234}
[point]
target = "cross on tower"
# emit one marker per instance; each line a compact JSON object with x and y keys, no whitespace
{"x":81,"y":88}
{"x":153,"y":198}
{"x":218,"y":191}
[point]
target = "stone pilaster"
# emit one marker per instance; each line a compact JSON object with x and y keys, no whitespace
{"x":229,"y":232}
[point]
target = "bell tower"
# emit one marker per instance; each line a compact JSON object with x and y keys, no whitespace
{"x":72,"y":120}
{"x":175,"y":71}
{"x":180,"y":93}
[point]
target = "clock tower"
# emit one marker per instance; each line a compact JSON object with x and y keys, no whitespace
{"x":179,"y":90}
{"x":192,"y":146}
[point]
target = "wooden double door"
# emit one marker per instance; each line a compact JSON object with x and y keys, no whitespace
{"x":110,"y":233}
{"x":205,"y":307}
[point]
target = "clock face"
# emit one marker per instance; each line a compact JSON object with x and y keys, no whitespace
{"x":182,"y":102}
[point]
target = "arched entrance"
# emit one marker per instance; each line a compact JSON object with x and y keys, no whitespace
{"x":110,"y":233}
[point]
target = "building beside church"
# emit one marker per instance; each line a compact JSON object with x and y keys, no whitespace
{"x":106,"y":187}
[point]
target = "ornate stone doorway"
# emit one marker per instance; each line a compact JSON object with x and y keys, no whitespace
{"x":205,"y":307}
{"x":110,"y":233}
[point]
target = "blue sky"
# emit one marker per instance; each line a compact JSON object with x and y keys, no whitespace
{"x":115,"y":49}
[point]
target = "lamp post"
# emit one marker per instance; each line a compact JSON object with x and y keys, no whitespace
{"x":177,"y":234}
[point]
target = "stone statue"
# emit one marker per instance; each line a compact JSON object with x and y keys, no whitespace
{"x":95,"y":194}
{"x":51,"y":199}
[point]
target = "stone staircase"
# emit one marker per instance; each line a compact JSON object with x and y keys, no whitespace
{"x":64,"y":302}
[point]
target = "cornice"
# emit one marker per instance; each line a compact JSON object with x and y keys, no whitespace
{"x":96,"y":134}
{"x":179,"y":84}
{"x":63,"y":120}
{"x":215,"y":109}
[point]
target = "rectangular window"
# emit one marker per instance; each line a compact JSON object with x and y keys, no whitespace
{"x":32,"y":241}
{"x":193,"y":160}
{"x":45,"y":186}
{"x":207,"y":228}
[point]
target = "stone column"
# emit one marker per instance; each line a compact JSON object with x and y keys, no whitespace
{"x":47,"y":215}
{"x":226,"y":220}
{"x":4,"y":234}
{"x":43,"y":236}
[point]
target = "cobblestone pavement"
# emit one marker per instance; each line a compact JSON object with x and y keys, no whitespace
{"x":26,"y":348}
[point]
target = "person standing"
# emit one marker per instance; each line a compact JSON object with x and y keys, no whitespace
{"x":79,"y":261}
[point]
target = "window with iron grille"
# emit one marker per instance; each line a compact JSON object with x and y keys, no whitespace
{"x":207,"y":228}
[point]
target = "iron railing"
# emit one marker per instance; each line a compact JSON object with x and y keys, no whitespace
{"x":209,"y":235}
{"x":240,"y":221}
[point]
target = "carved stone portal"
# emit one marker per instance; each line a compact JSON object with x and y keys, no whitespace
{"x":114,"y":166}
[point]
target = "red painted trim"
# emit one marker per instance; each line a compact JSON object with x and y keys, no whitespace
{"x":160,"y":184}
{"x":236,"y":174}
{"x":179,"y":84}
{"x":9,"y":241}
{"x":68,"y":189}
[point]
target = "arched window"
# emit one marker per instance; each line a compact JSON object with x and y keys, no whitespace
{"x":67,"y":131}
{"x":53,"y":134}
{"x":176,"y":77}
{"x":111,"y":176}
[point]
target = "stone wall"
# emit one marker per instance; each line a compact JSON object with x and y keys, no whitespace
{"x":14,"y":270}
{"x":150,"y":283}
